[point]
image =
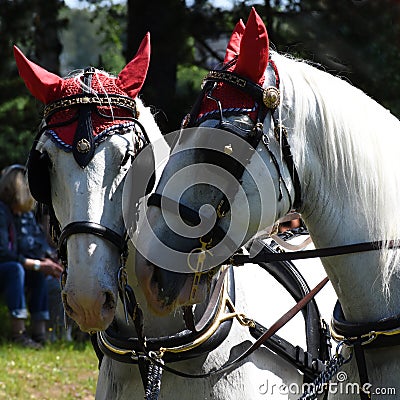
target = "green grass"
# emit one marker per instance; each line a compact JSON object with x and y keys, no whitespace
{"x":59,"y":371}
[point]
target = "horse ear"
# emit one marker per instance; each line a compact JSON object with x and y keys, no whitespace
{"x":254,"y":49}
{"x":41,"y":83}
{"x":233,"y":47}
{"x":132,"y":77}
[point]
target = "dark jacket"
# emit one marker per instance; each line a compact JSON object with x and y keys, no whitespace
{"x":8,"y":237}
{"x":31,"y":240}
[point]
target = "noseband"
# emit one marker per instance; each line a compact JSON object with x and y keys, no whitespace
{"x":77,"y":227}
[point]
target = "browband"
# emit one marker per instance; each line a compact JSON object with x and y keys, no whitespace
{"x":95,"y":99}
{"x":268,"y":96}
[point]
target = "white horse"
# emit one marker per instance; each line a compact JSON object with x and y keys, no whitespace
{"x":93,"y":128}
{"x":344,"y":146}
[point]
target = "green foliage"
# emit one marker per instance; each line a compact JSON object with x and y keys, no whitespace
{"x":19,"y":117}
{"x":94,"y":37}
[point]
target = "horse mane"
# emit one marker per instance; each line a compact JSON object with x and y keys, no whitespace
{"x":343,"y":134}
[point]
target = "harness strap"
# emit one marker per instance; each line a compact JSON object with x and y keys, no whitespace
{"x":99,"y":99}
{"x":363,"y":336}
{"x":83,"y":142}
{"x":190,"y":215}
{"x":362,"y":369}
{"x":288,"y":157}
{"x":262,"y":256}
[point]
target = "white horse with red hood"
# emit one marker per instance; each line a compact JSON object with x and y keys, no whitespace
{"x":270,"y":134}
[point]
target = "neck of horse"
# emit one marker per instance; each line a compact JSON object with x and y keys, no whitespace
{"x":349,"y":194}
{"x":356,"y":278}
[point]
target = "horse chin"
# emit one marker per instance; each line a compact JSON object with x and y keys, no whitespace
{"x":165,"y":291}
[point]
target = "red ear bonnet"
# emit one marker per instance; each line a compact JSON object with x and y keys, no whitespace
{"x":132,"y":77}
{"x":250,"y":44}
{"x":48,"y":87}
{"x":42,"y":84}
{"x":254,"y":49}
{"x":233,"y":47}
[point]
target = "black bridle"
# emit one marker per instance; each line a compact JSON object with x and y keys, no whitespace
{"x":266,"y":100}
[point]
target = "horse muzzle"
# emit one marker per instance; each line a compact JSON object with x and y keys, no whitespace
{"x":92,"y":311}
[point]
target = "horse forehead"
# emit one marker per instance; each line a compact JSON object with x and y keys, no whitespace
{"x":108,"y":156}
{"x":101,"y":82}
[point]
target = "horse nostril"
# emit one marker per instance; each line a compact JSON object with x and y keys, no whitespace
{"x":168,"y":283}
{"x":109,"y":301}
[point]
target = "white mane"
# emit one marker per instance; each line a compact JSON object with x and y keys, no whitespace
{"x":337,"y":127}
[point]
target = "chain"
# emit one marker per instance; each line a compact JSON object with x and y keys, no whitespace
{"x":331,"y":369}
{"x":154,"y":376}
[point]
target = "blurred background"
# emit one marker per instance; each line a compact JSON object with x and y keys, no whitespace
{"x":358,"y":40}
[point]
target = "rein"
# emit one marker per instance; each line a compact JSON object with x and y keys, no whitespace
{"x":262,"y":256}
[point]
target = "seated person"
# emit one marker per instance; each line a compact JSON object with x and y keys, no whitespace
{"x":17,"y":270}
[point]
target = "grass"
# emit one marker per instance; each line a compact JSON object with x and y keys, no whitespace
{"x":59,"y":371}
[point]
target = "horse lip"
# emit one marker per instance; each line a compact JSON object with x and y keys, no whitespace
{"x":163,"y":298}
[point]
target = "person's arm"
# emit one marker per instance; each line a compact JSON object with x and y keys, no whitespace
{"x":47,"y":266}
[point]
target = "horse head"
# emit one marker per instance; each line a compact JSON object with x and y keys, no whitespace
{"x":93,"y":127}
{"x":219,"y":186}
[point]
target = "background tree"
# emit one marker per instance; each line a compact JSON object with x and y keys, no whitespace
{"x":33,"y":27}
{"x":165,"y":20}
{"x":356,"y":39}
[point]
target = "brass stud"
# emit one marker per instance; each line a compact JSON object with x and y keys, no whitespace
{"x":228,"y":149}
{"x":83,"y":146}
{"x":271,"y":97}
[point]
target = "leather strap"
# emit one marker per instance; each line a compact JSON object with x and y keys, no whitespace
{"x":239,"y":259}
{"x":83,"y":143}
{"x":94,"y":229}
{"x":362,"y":369}
{"x":353,"y":330}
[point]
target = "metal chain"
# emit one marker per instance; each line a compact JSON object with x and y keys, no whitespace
{"x":331,"y":369}
{"x":154,"y":376}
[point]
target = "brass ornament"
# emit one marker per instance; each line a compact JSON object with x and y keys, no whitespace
{"x":83,"y":146}
{"x":271,"y":97}
{"x":228,"y":149}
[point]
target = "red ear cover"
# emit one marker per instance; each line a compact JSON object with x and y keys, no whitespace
{"x":133,"y":75}
{"x":43,"y":84}
{"x":254,"y":49}
{"x":233,"y":47}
